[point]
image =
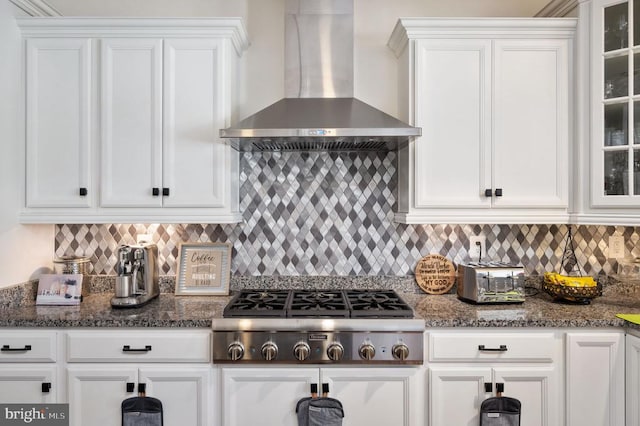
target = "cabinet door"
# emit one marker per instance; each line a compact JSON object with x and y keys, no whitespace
{"x":24,"y":384}
{"x":261,"y":396}
{"x":131,"y":90}
{"x":196,"y":167}
{"x":615,"y":120}
{"x":96,"y":392}
{"x":595,"y":379}
{"x":455,"y":395}
{"x":530,"y":122}
{"x":633,"y":380}
{"x":58,"y":111}
{"x":378,"y":396}
{"x":453,"y":107}
{"x":538,"y":390}
{"x":184,"y":392}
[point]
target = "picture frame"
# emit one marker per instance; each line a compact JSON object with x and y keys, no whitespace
{"x":59,"y":289}
{"x":203,"y":269}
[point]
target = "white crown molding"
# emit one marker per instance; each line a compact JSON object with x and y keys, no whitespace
{"x":36,"y":7}
{"x":231,"y":28}
{"x":557,"y":8}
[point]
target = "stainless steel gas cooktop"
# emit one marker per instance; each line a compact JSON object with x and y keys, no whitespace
{"x":318,"y":304}
{"x":318,"y":327}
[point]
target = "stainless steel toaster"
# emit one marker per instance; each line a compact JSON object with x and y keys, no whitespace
{"x":490,"y":282}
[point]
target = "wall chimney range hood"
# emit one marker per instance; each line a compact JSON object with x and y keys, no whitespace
{"x":319,"y":112}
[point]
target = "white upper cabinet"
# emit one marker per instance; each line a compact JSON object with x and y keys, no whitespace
{"x":194,"y":111}
{"x":614,"y":153}
{"x":58,"y":109}
{"x":492,"y":99}
{"x":131,"y":112}
{"x":127,"y":112}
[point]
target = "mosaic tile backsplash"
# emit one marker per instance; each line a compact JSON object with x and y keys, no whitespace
{"x":332,"y":214}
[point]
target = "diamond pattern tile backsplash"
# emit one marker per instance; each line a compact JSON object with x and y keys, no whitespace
{"x":332,"y":214}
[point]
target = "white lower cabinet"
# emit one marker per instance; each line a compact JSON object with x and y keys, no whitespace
{"x":632,"y":374}
{"x":465,"y":368}
{"x":28,"y":369}
{"x":96,"y":392}
{"x":106,"y":367}
{"x":371,"y":396}
{"x":457,"y":393}
{"x":23,"y":383}
{"x":595,"y":378}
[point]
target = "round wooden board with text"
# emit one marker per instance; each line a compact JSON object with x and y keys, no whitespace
{"x":435,"y":274}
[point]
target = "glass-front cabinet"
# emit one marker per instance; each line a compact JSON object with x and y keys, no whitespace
{"x":616,"y":107}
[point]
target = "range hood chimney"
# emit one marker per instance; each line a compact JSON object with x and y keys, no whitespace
{"x":319,"y":111}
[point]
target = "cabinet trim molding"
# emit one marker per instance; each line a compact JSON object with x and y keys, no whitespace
{"x":231,"y":28}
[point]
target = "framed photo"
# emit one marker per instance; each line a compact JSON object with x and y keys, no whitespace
{"x":204,"y":269}
{"x":59,"y":289}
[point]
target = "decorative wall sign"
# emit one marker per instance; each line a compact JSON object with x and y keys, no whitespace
{"x":204,"y":269}
{"x":435,"y":274}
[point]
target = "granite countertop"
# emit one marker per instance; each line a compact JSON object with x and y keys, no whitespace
{"x":446,"y":310}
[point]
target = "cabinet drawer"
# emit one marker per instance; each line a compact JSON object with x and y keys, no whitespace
{"x":139,"y":346}
{"x":489,"y":347}
{"x":27,"y":346}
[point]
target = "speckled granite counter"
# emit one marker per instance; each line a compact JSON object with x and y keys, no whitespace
{"x":437,"y":311}
{"x":167,"y":310}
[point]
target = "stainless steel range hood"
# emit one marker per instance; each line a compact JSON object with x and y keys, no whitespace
{"x":319,"y":111}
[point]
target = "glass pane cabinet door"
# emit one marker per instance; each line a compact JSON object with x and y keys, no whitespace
{"x":616,"y":142}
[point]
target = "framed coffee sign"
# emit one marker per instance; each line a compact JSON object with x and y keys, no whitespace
{"x":203,"y":269}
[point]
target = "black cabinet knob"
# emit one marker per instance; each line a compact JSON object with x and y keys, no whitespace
{"x":498,"y":192}
{"x":155,"y":192}
{"x":487,"y":192}
{"x":165,"y":192}
{"x":83,"y":192}
{"x":130,"y":387}
{"x":46,"y":387}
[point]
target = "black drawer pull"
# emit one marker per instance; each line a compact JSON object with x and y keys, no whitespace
{"x":498,"y":192}
{"x":83,"y":192}
{"x":155,"y":191}
{"x":502,"y":348}
{"x":127,"y":348}
{"x":46,"y":387}
{"x":165,"y":192}
{"x":130,"y":387}
{"x":7,"y":348}
{"x":487,"y":192}
{"x":488,"y":387}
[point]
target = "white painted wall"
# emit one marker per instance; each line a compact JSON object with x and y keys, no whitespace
{"x":24,"y":250}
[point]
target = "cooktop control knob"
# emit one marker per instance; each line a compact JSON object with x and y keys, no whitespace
{"x":400,"y":351}
{"x":235,"y":351}
{"x":301,"y":351}
{"x":335,"y":351}
{"x":367,"y":351}
{"x":269,"y":351}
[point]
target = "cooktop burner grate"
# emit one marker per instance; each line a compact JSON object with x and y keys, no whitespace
{"x":257,"y":303}
{"x":318,"y":304}
{"x":379,"y":303}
